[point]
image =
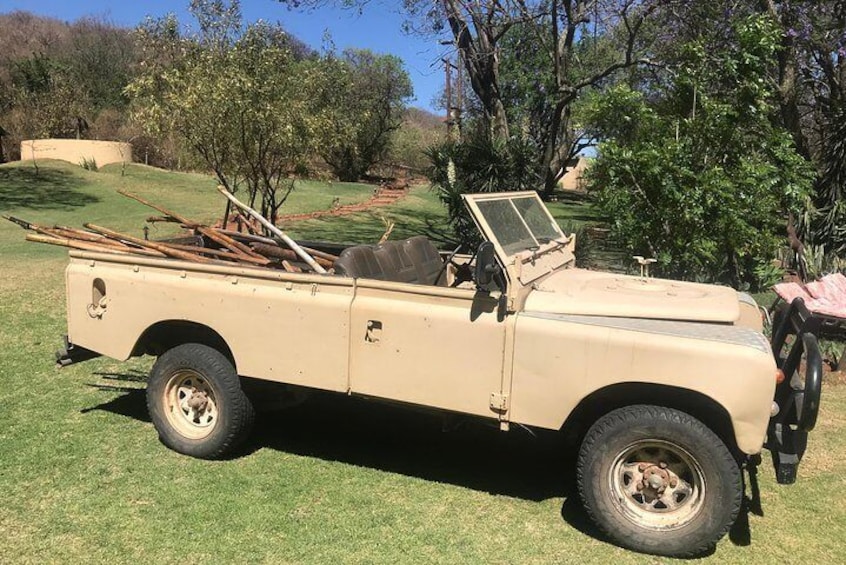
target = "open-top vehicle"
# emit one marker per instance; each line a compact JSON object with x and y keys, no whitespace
{"x":669,"y":387}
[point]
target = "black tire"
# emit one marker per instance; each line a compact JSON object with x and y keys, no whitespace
{"x":196,"y":403}
{"x":680,"y":509}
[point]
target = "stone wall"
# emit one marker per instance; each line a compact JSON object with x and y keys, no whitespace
{"x":75,"y":150}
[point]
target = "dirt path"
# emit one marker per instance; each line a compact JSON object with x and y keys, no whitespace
{"x":382,"y":196}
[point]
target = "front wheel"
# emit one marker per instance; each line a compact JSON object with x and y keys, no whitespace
{"x":196,"y":403}
{"x":658,"y":481}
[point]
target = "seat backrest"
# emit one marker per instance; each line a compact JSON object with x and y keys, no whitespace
{"x":426,"y":259}
{"x":395,"y":262}
{"x":359,"y":261}
{"x":414,"y":260}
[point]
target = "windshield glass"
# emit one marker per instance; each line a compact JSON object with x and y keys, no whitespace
{"x":535,"y":216}
{"x":519,"y":223}
{"x":510,"y":229}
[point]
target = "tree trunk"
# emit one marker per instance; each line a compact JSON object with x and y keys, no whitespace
{"x":481,"y":61}
{"x":787,"y":78}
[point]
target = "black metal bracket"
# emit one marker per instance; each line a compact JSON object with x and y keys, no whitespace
{"x":71,"y":353}
{"x":798,"y":401}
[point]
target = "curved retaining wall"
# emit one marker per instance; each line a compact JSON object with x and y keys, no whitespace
{"x":75,"y":150}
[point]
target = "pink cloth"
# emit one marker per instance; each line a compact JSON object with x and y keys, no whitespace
{"x":826,"y":296}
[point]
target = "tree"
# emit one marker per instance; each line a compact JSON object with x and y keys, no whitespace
{"x":237,"y":95}
{"x":810,"y":71}
{"x":419,"y":131}
{"x":366,"y":98}
{"x":48,"y":99}
{"x":548,"y":39}
{"x":555,"y":32}
{"x":101,"y":58}
{"x":696,"y":174}
{"x":807,"y":74}
{"x":57,"y":79}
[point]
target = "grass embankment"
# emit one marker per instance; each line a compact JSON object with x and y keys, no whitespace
{"x":337,"y":480}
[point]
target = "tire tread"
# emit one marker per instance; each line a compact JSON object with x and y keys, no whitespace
{"x":629,"y":416}
{"x":240,"y":414}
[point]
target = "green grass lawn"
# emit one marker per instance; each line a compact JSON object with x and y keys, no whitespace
{"x":337,"y":480}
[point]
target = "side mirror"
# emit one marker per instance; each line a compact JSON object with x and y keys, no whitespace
{"x":488,"y":274}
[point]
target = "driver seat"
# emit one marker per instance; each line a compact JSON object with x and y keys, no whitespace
{"x":414,"y":261}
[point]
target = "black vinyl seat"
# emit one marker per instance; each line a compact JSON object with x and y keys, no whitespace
{"x":395,"y":262}
{"x":426,"y":260}
{"x":359,"y":262}
{"x":414,"y":260}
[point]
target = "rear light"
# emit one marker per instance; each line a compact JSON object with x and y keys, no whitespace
{"x":779,"y":376}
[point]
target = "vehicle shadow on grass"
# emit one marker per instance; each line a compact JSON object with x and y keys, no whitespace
{"x":45,"y":189}
{"x":467,"y":453}
{"x":132,"y":402}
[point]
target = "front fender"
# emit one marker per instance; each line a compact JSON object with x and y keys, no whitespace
{"x":559,"y":360}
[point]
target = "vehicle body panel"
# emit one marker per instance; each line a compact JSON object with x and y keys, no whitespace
{"x":579,"y":291}
{"x":560,"y":360}
{"x":432,"y":346}
{"x":280,"y":327}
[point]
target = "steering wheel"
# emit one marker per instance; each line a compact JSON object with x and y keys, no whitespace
{"x":450,"y":260}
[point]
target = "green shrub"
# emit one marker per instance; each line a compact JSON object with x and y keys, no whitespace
{"x":479,"y":164}
{"x":89,"y":164}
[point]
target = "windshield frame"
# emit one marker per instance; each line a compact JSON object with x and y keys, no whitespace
{"x":482,"y":221}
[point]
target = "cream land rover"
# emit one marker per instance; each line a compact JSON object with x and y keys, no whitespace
{"x":671,"y":387}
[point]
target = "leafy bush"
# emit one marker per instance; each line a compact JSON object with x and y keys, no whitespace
{"x":586,"y":247}
{"x":697,"y":176}
{"x":819,"y":262}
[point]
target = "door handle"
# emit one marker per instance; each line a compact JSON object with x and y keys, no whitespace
{"x":374,"y":331}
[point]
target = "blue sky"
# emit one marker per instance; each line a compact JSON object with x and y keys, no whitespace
{"x":378,"y":27}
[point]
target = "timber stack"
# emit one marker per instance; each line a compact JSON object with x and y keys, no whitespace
{"x":206,"y":244}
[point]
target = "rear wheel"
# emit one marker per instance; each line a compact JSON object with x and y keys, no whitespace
{"x":659,"y":481}
{"x":196,"y":403}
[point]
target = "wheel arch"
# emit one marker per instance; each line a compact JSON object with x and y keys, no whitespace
{"x":167,"y":334}
{"x":702,"y":407}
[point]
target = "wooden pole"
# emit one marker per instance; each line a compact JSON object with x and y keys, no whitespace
{"x":287,"y":254}
{"x":274,"y":230}
{"x":74,"y":244}
{"x":184,"y":255}
{"x":218,"y":253}
{"x":222,"y":239}
{"x":270,"y":241}
{"x":64,"y":233}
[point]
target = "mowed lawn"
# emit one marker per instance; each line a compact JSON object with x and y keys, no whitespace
{"x":83,"y":477}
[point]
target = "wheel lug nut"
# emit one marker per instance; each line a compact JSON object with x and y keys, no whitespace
{"x":673,"y":483}
{"x":642,"y":467}
{"x":662,"y":464}
{"x":640,"y":486}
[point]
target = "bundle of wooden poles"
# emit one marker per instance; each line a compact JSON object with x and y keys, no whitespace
{"x":215,"y":245}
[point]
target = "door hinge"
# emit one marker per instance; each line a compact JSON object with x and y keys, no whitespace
{"x":499,"y":402}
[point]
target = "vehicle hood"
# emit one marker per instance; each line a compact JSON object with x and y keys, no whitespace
{"x":592,"y":293}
